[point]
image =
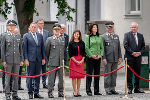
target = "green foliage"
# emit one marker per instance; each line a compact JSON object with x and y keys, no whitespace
{"x":5,"y":8}
{"x":29,"y":8}
{"x":64,"y":9}
{"x":1,"y":66}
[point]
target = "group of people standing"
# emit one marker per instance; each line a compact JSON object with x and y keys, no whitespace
{"x":39,"y":48}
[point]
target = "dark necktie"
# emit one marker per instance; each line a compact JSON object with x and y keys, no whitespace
{"x":135,"y":38}
{"x":35,"y":38}
{"x":111,"y":36}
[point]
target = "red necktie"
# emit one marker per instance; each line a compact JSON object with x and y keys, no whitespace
{"x":135,"y":38}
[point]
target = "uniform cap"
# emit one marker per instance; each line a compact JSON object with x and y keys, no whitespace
{"x":109,"y":24}
{"x":56,"y":26}
{"x":12,"y":22}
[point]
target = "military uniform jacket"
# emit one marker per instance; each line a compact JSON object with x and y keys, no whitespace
{"x":112,"y":50}
{"x":11,"y":48}
{"x":55,"y":47}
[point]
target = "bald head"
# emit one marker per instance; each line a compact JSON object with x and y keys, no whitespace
{"x":63,"y":28}
{"x":134,"y":27}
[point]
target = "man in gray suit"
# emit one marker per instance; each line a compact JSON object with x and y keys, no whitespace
{"x":45,"y":34}
{"x":55,"y":46}
{"x":112,"y":57}
{"x":12,"y":58}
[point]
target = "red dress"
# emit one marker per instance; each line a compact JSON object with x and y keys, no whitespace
{"x":76,"y":67}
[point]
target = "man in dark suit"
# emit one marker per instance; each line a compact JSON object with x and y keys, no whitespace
{"x":63,"y":33}
{"x":134,"y":46}
{"x":45,"y":35}
{"x":34,"y":55}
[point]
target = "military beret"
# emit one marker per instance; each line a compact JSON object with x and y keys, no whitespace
{"x":12,"y":22}
{"x":109,"y":24}
{"x":56,"y":26}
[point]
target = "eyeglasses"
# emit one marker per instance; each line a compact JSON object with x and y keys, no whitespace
{"x":40,"y":23}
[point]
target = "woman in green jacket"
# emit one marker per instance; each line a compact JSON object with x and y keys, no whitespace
{"x":94,"y":50}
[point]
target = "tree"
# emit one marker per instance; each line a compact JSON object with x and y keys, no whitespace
{"x":26,"y":8}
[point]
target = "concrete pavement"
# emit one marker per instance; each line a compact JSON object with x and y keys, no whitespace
{"x":69,"y":92}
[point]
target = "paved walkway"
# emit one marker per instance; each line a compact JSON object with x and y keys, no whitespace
{"x":69,"y":93}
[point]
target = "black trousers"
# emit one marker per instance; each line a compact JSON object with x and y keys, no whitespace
{"x":136,"y":66}
{"x":92,"y":66}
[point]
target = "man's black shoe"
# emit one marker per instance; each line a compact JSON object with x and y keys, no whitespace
{"x":45,"y":86}
{"x":114,"y":92}
{"x":50,"y":95}
{"x":3,"y":91}
{"x":108,"y":93}
{"x":89,"y":93}
{"x":60,"y":95}
{"x":8,"y":98}
{"x":30,"y":96}
{"x":16,"y":98}
{"x":38,"y":96}
{"x":20,"y":88}
{"x":97,"y":93}
{"x":129,"y":91}
{"x":138,"y":91}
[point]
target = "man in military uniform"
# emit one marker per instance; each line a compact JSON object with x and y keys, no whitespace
{"x":12,"y":58}
{"x":55,"y":46}
{"x":112,"y":57}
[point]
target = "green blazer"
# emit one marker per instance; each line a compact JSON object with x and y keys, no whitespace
{"x":94,"y":45}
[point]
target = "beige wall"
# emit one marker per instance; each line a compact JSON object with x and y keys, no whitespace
{"x":115,"y":10}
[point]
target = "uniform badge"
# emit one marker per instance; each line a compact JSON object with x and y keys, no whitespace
{"x":9,"y":34}
{"x":53,"y":46}
{"x":54,"y":38}
{"x":107,"y":43}
{"x":18,"y":39}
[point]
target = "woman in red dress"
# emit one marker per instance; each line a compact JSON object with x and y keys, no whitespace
{"x":77,"y":55}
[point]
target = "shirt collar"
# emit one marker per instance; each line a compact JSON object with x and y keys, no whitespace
{"x":134,"y":33}
{"x":62,"y":34}
{"x":109,"y":33}
{"x":40,"y":30}
{"x":33,"y":33}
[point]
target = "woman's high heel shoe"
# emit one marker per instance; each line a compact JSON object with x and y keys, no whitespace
{"x":75,"y":95}
{"x":79,"y":95}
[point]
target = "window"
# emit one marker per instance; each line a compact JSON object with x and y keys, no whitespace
{"x":133,"y":8}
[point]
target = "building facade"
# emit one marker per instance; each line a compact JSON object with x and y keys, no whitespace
{"x":121,"y":12}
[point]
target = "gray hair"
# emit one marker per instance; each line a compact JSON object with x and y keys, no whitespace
{"x":33,"y":23}
{"x":40,"y":20}
{"x":62,"y":25}
{"x":134,"y":23}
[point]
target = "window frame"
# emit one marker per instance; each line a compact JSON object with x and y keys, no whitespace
{"x":133,"y":14}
